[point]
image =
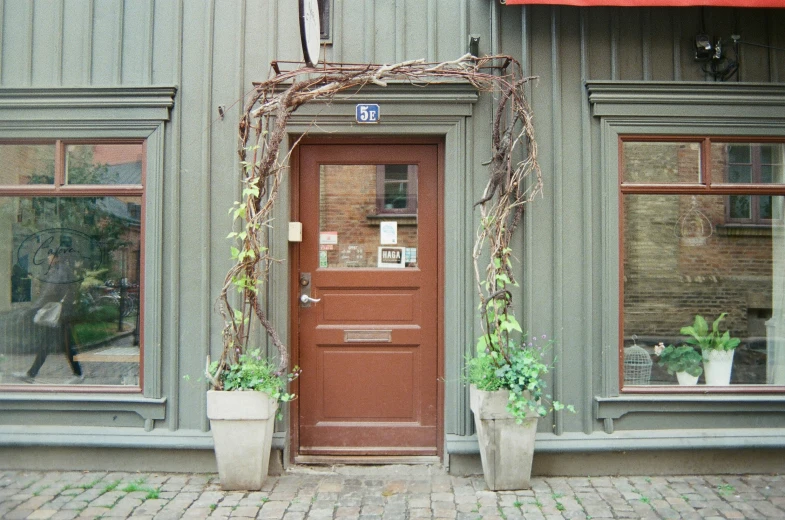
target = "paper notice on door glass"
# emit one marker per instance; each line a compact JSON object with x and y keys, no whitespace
{"x":391,"y":258}
{"x":322,"y":258}
{"x":328,"y":237}
{"x":388,"y":231}
{"x":411,"y":256}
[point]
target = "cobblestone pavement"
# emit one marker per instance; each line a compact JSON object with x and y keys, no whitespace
{"x":384,"y":492}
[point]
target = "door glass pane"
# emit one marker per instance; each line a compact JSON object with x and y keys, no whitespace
{"x":368,"y":216}
{"x":83,"y":252}
{"x":27,"y":164}
{"x":104,"y":164}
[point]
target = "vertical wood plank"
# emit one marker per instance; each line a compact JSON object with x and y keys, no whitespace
{"x":400,"y":31}
{"x":431,"y":23}
{"x":2,"y":42}
{"x":205,"y":220}
{"x":675,"y":20}
{"x":45,"y":44}
{"x":30,"y":25}
{"x":630,"y":45}
{"x":107,"y":42}
{"x":118,"y":65}
{"x":172,"y":196}
{"x":136,"y":54}
{"x":369,"y":12}
{"x":59,"y":29}
{"x":147,"y":73}
{"x":88,"y":42}
{"x":615,"y":44}
{"x":587,"y":236}
{"x":557,"y":179}
{"x":646,"y":64}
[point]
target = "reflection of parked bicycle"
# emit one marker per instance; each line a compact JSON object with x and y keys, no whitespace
{"x":123,"y":297}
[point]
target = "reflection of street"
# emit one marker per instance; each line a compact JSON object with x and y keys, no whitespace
{"x":114,"y":362}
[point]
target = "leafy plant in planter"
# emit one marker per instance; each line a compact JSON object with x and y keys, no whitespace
{"x":680,"y":360}
{"x":717,"y":348}
{"x":507,"y":374}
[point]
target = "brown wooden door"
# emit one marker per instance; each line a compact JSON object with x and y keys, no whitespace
{"x":368,"y":348}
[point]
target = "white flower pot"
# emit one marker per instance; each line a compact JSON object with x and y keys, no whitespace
{"x":685,"y":379}
{"x":717,"y":365}
{"x":506,"y":448}
{"x":242,"y":424}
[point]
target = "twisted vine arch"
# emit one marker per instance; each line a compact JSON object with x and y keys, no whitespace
{"x":512,"y":182}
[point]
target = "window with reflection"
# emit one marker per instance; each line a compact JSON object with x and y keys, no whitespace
{"x":70,"y":263}
{"x":368,"y":216}
{"x":703,"y":242}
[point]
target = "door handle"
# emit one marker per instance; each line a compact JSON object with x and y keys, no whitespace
{"x":307,"y":299}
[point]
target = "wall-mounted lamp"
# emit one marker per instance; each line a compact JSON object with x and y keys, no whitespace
{"x":702,"y":47}
{"x":715,"y":58}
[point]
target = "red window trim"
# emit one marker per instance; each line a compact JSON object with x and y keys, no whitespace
{"x":652,"y":3}
{"x":59,"y":189}
{"x":705,"y":187}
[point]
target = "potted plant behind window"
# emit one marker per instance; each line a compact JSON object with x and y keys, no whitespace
{"x":684,"y":361}
{"x":716,"y":347}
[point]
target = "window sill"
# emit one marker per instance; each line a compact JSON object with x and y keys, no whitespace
{"x":149,"y":409}
{"x":718,"y":401}
{"x":404,"y":219}
{"x":744,"y":230}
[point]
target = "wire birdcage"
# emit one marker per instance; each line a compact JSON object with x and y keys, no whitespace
{"x":637,"y":365}
{"x":694,"y":227}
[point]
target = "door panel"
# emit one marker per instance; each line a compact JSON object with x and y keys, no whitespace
{"x":369,"y":347}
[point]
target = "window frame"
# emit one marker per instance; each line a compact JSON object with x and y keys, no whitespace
{"x":106,"y":115}
{"x":59,"y":188}
{"x":705,"y":186}
{"x":755,"y":218}
{"x":381,"y":183}
{"x":663,"y":110}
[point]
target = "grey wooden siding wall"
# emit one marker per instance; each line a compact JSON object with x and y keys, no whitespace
{"x":212,"y":50}
{"x":564,"y":244}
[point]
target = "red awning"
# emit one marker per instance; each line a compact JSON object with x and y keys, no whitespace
{"x":656,"y":3}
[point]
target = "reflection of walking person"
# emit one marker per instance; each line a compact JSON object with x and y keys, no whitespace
{"x":59,"y":286}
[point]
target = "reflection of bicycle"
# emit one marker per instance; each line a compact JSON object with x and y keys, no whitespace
{"x":125,"y":299}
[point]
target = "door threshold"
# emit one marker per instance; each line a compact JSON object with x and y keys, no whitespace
{"x":366,"y":459}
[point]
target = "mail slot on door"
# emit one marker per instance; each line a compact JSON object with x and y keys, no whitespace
{"x":367,"y":336}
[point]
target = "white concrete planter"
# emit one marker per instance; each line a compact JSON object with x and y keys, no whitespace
{"x":506,"y":448}
{"x":685,"y":379}
{"x":242,"y":424}
{"x":717,"y":365}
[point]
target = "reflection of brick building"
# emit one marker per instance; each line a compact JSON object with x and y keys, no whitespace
{"x":349,"y":208}
{"x":682,"y":257}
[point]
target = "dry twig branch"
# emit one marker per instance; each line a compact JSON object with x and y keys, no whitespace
{"x":262,"y":130}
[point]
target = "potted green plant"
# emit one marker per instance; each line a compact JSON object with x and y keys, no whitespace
{"x":507,"y":397}
{"x":684,"y":361}
{"x":246,"y":386}
{"x":242,"y":406}
{"x":716,"y":347}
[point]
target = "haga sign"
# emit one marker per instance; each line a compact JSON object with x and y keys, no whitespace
{"x":50,"y":253}
{"x":391,"y":257}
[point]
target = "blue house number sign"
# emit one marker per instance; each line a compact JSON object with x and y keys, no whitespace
{"x":367,"y":113}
